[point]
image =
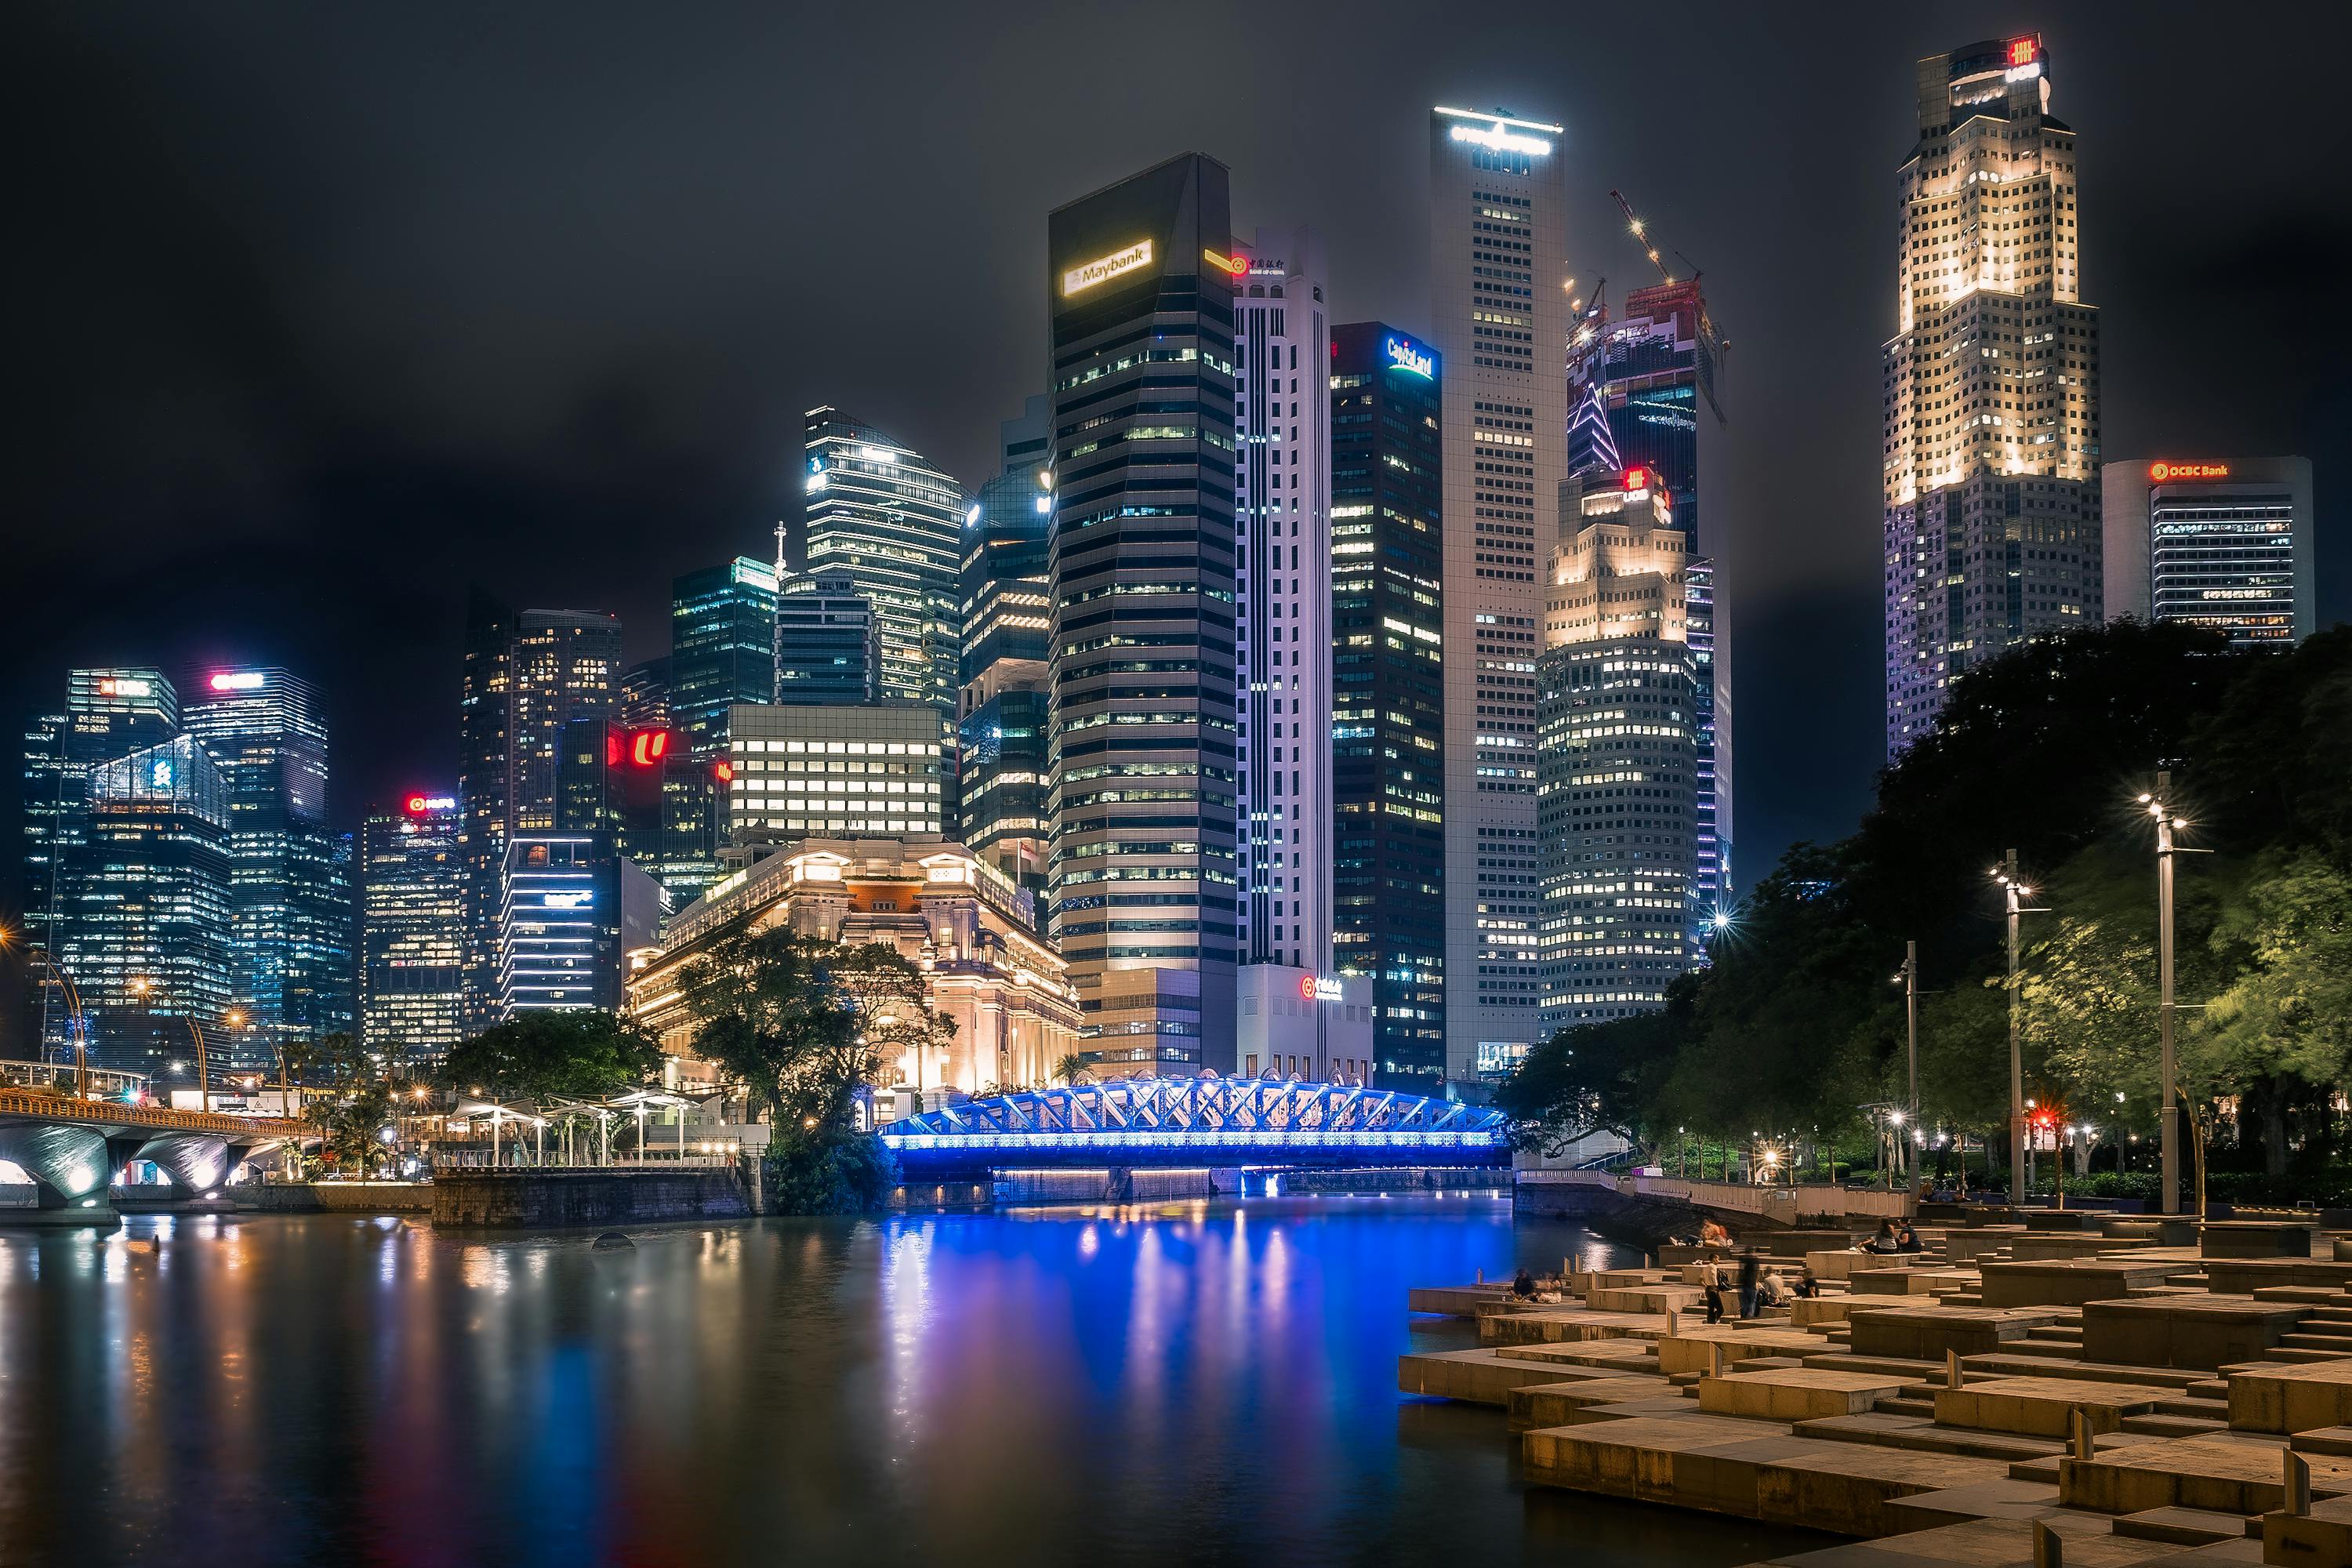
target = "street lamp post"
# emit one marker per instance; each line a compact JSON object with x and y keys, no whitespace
{"x":2169,"y":1181}
{"x":2012,"y":890}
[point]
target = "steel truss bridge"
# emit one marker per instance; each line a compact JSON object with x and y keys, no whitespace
{"x":73,"y":1139}
{"x":1197,"y":1121}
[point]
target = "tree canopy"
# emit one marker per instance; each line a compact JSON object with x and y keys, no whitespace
{"x":1795,"y":1025}
{"x":539,"y":1057}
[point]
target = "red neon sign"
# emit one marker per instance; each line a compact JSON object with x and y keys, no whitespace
{"x":415,"y":805}
{"x":2023,"y":51}
{"x":725,"y":770}
{"x":1307,"y":988}
{"x":647,"y":747}
{"x":1637,"y":479}
{"x":2161,"y":473}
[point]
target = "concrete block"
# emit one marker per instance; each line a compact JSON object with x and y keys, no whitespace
{"x":1794,"y":1393}
{"x":2052,"y":1282}
{"x":2203,"y":1331}
{"x":2254,"y":1238}
{"x":1923,"y":1333}
{"x":1698,"y":1349}
{"x":1575,"y":1400}
{"x":2040,"y":1407}
{"x":2291,"y":1399}
{"x":1909,"y":1281}
{"x":1474,"y":1377}
{"x":2229,"y":1474}
{"x":2322,"y":1537}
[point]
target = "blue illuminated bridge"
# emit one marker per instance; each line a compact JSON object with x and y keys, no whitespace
{"x":1195,"y":1121}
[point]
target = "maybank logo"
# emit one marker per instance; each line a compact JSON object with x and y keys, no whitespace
{"x":1103,"y":268}
{"x":1503,"y":140}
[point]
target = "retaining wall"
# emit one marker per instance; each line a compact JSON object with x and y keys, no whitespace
{"x":557,"y":1198}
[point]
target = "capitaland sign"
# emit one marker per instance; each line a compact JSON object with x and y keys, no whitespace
{"x":1409,"y":356}
{"x":1103,"y":268}
{"x":2166,"y":473}
{"x":1502,"y":141}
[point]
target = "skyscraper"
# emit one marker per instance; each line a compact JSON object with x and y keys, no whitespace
{"x":722,"y":649}
{"x":891,"y":521}
{"x":1618,"y":773}
{"x":144,"y":922}
{"x":109,"y":714}
{"x":824,"y":640}
{"x":807,"y":769}
{"x":1282,"y":504}
{"x":2227,"y":545}
{"x":1144,"y":868}
{"x":1388,"y":693}
{"x":1002,"y":719}
{"x":1650,"y":379}
{"x":289,"y":886}
{"x":527,"y":674}
{"x":1992,"y":518}
{"x":413,"y":930}
{"x":1499,"y":318}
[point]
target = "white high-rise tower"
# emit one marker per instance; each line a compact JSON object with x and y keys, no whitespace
{"x":1499,"y":315}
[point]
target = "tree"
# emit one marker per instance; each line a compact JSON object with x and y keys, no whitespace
{"x":1599,"y":1077}
{"x":538,"y":1056}
{"x":803,"y":1022}
{"x":352,"y":1125}
{"x":2284,"y":1020}
{"x":1073,"y":1069}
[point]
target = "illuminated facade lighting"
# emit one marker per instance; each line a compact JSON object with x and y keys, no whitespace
{"x":2224,"y":545}
{"x":1991,"y":460}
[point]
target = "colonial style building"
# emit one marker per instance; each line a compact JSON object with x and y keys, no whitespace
{"x":973,"y":931}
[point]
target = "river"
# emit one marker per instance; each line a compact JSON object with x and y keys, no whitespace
{"x":1183,"y":1383}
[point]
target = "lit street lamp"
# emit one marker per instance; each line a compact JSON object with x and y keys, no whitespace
{"x":2014,"y":889}
{"x":2169,"y":1117}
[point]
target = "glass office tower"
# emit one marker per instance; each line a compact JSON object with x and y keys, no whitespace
{"x":290,"y":891}
{"x":1002,"y":718}
{"x":1387,"y":692}
{"x":413,"y":930}
{"x":723,"y":643}
{"x":890,"y":520}
{"x":1143,"y":867}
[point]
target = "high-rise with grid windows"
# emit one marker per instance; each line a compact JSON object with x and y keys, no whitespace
{"x":1144,"y":870}
{"x":1991,"y":383}
{"x":1499,"y":317}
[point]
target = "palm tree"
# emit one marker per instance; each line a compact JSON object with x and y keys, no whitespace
{"x":1073,"y":1069}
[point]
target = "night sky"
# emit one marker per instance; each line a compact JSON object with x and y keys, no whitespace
{"x":320,"y":313}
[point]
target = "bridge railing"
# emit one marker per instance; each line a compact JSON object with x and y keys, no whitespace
{"x":62,"y":1078}
{"x":51,"y":1105}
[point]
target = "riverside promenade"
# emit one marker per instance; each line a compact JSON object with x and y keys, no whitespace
{"x":2064,"y":1387}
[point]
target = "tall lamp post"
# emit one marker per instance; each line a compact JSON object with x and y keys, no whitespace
{"x":2012,"y":891}
{"x":77,"y":1023}
{"x":234,"y":1019}
{"x":2159,"y":806}
{"x":1908,"y":978}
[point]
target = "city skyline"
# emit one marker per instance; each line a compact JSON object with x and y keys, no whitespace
{"x":1830,"y":580}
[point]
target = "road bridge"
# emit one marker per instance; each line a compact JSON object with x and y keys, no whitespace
{"x":63,"y":1132}
{"x":1189,"y":1123}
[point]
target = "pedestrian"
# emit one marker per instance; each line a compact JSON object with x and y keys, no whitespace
{"x":1711,"y":1280}
{"x":1750,"y":1273}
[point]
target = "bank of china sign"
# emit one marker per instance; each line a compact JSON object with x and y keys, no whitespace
{"x":1103,"y":268}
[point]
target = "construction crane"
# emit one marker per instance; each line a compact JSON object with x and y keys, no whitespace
{"x":1642,"y":232}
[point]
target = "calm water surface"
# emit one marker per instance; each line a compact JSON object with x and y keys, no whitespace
{"x":1171,"y":1384}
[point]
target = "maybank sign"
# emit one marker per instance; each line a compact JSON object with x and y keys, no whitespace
{"x":1408,"y":355}
{"x":1104,"y":268}
{"x":1502,"y":141}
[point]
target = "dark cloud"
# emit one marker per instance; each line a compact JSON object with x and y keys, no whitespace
{"x":322,"y":311}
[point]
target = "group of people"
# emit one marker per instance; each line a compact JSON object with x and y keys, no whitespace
{"x":1894,"y":1236}
{"x":1756,"y":1288}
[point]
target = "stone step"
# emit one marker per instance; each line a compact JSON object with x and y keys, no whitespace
{"x":2005,"y":1364}
{"x":2187,"y":1526}
{"x":2057,"y":1350}
{"x":2302,"y":1357}
{"x":2208,"y":1388}
{"x":1882,"y":1430}
{"x":1903,"y":1406}
{"x":2196,"y":1409}
{"x":2069,"y":1334}
{"x":2317,"y":1295}
{"x":2336,"y":1440}
{"x":1964,"y":1299}
{"x":1846,"y":1361}
{"x":2307,"y":1338}
{"x":2170,"y":1426}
